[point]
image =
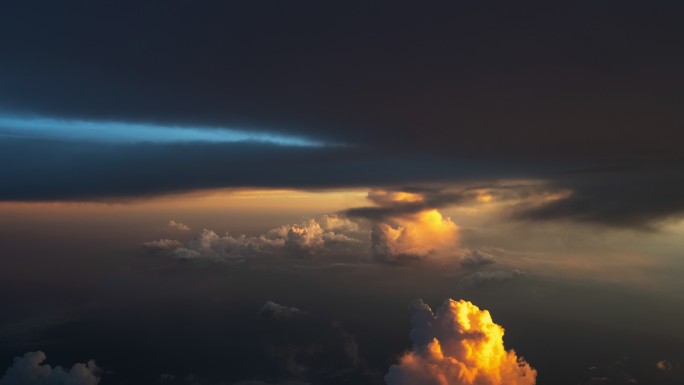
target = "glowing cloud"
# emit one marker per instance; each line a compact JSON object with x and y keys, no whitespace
{"x":384,"y":197}
{"x":413,"y":231}
{"x":426,"y":233}
{"x":458,"y":345}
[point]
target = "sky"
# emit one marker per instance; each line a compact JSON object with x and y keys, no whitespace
{"x":384,"y":192}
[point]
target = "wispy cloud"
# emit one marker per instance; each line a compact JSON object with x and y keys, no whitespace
{"x":132,"y":132}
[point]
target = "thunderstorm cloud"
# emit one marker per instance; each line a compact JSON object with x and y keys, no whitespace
{"x":458,"y":345}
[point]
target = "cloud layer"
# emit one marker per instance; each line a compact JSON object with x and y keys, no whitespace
{"x":328,"y":235}
{"x":401,"y":233}
{"x":458,"y":345}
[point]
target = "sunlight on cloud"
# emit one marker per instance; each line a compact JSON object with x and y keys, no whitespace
{"x":422,"y":233}
{"x":426,"y":233}
{"x":458,"y":345}
{"x":125,"y":132}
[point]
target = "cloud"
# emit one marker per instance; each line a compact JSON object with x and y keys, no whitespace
{"x":485,"y":100}
{"x":636,"y":195}
{"x":178,"y":226}
{"x":131,"y":132}
{"x":425,"y":234}
{"x":405,"y":202}
{"x":330,"y":234}
{"x":664,"y":365}
{"x":406,"y":224}
{"x":483,"y":277}
{"x":112,"y":172}
{"x":163,"y":244}
{"x":422,"y":234}
{"x":30,"y":370}
{"x":277,"y":311}
{"x":256,"y":100}
{"x":413,"y":200}
{"x":458,"y":345}
{"x":477,"y":258}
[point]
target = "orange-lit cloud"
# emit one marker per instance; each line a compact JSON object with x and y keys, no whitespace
{"x":458,"y":345}
{"x":426,"y":233}
{"x":416,"y":233}
{"x":385,"y":197}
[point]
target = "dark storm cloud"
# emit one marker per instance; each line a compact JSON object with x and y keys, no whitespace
{"x":638,"y":196}
{"x":430,"y":199}
{"x":436,"y":198}
{"x":421,"y":94}
{"x":479,"y":78}
{"x":58,"y":170}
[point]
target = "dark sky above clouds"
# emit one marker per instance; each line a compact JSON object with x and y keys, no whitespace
{"x":396,"y":92}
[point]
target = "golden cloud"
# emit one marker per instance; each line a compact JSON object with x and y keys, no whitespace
{"x":458,"y":345}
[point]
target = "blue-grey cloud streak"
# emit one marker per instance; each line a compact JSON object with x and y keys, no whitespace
{"x":129,"y":132}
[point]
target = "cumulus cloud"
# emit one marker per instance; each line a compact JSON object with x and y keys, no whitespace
{"x":328,"y":234}
{"x":163,"y":244}
{"x":30,"y":370}
{"x":483,"y":277}
{"x":477,"y":258}
{"x":423,"y":234}
{"x":407,"y":224}
{"x":274,"y":310}
{"x":458,"y":345}
{"x":177,"y":226}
